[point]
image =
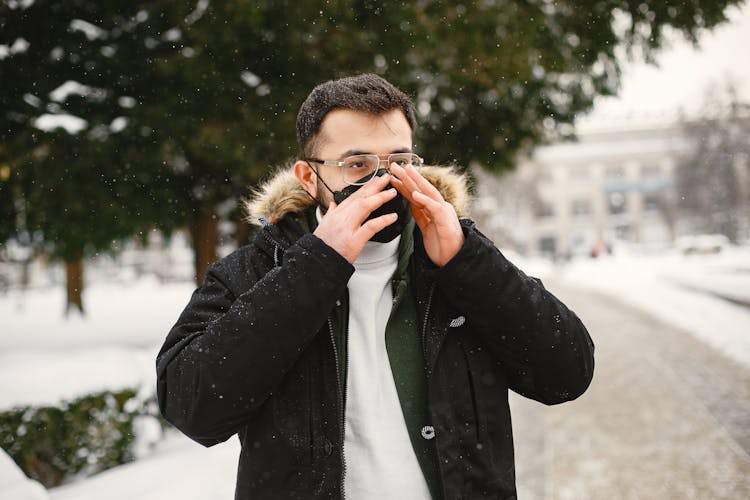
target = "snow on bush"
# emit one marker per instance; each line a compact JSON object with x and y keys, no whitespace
{"x":55,"y":444}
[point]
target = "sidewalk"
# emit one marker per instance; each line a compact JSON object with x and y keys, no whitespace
{"x":665,"y":417}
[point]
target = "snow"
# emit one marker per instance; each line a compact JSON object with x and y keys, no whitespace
{"x":15,"y":485}
{"x":46,"y":358}
{"x":91,"y":31}
{"x":692,"y":292}
{"x":135,"y":314}
{"x":50,"y":376}
{"x":72,"y":124}
{"x":71,"y":87}
{"x":179,"y":469}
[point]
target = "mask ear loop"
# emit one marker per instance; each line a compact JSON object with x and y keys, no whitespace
{"x":319,"y":177}
{"x":324,"y":209}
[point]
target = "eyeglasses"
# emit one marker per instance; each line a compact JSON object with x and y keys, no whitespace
{"x":360,"y":169}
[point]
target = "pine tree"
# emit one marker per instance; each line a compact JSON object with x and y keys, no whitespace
{"x":208,"y":92}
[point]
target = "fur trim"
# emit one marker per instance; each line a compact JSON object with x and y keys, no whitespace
{"x":453,"y":185}
{"x":283,"y":194}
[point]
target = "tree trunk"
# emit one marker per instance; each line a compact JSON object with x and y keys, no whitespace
{"x":204,"y":232}
{"x":25,"y":274}
{"x":74,"y":285}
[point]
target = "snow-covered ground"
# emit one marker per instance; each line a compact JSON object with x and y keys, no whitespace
{"x":701,"y":294}
{"x":179,"y":468}
{"x":15,"y":485}
{"x":45,"y":358}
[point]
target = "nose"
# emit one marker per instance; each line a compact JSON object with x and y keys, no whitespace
{"x":382,"y":171}
{"x":387,"y":167}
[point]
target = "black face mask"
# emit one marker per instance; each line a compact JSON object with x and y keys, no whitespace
{"x":398,"y":205}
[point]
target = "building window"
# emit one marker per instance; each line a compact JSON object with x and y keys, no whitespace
{"x":542,"y":210}
{"x":548,"y":245}
{"x":614,"y":173}
{"x":616,"y":203}
{"x":579,"y":174}
{"x":651,"y":172}
{"x":651,"y":202}
{"x":581,"y":208}
{"x":622,"y":232}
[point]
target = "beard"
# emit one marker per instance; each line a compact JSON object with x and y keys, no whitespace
{"x":324,"y":196}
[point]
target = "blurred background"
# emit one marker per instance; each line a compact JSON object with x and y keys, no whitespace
{"x":608,"y":142}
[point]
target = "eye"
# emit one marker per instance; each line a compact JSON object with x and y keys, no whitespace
{"x":358,"y":163}
{"x":402,"y":160}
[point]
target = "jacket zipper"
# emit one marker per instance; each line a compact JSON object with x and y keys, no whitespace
{"x":428,"y":365}
{"x":424,"y":330}
{"x":340,"y":395}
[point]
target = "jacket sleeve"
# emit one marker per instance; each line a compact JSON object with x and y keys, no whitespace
{"x":227,"y":353}
{"x":547,"y":352}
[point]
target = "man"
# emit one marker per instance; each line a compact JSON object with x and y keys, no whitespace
{"x":364,"y":343}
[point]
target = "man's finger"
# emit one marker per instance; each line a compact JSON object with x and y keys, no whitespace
{"x":441,"y":212}
{"x":367,"y":205}
{"x":354,"y":211}
{"x":421,"y":217}
{"x":409,"y":186}
{"x":373,"y":226}
{"x":401,"y":174}
{"x":371,"y":187}
{"x":401,"y":188}
{"x":423,"y":184}
{"x":432,"y":206}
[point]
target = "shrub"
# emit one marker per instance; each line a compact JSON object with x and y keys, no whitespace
{"x":54,"y":444}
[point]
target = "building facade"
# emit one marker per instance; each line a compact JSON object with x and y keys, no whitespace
{"x":573,"y":198}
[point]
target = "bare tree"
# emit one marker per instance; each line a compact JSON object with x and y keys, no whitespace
{"x":713,"y":179}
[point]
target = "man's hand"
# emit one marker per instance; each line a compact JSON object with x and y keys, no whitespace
{"x":435,"y":217}
{"x":342,"y":226}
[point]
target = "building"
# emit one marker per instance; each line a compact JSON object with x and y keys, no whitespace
{"x":574,"y":197}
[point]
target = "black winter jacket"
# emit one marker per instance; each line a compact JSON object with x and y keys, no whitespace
{"x":252,"y":354}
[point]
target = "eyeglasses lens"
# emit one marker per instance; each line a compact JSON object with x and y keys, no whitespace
{"x":360,"y":169}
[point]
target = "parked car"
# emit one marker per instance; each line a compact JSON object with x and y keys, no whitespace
{"x":702,"y":243}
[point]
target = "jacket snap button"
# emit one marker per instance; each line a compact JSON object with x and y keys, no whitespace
{"x":456,"y":322}
{"x":328,"y":447}
{"x":428,"y":432}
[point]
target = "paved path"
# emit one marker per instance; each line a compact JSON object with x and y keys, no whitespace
{"x":665,"y":417}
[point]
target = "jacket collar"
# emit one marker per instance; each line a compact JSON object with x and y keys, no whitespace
{"x":282,"y":194}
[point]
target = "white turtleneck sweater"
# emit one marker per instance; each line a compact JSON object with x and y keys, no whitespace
{"x":380,"y":461}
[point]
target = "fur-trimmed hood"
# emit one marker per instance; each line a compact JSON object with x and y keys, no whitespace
{"x":282,"y":194}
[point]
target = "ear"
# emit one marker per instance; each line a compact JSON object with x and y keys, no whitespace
{"x":306,"y":177}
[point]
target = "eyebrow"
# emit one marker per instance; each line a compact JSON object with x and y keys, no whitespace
{"x":353,"y":152}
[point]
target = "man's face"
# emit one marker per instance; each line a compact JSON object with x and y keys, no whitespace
{"x":345,"y":132}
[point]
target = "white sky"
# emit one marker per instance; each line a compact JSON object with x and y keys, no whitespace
{"x":680,"y":81}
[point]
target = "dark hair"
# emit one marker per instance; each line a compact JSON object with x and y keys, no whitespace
{"x":369,"y":93}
